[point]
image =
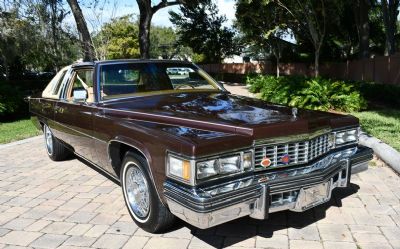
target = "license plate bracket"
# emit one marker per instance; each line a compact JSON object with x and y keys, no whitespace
{"x":312,"y":196}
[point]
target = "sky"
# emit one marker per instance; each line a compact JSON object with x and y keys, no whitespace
{"x":161,"y":18}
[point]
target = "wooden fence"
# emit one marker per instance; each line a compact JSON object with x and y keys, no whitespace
{"x":380,"y":69}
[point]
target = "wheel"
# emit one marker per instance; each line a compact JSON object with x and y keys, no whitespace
{"x":55,"y":149}
{"x":140,"y":195}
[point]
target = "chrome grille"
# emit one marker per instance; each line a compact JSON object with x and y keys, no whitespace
{"x":299,"y":152}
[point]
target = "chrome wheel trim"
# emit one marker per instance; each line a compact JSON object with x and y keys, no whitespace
{"x":48,"y":138}
{"x":136,"y":192}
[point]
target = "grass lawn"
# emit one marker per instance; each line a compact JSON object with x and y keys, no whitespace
{"x":383,"y":124}
{"x":17,"y":130}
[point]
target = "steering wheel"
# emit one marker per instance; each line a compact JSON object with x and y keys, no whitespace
{"x":180,"y":86}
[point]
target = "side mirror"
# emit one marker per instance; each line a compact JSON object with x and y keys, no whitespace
{"x":79,"y":95}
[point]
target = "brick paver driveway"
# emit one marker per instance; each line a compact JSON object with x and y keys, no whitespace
{"x":44,"y":204}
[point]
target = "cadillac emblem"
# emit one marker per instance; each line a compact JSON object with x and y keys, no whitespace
{"x":265,"y":162}
{"x":285,"y":159}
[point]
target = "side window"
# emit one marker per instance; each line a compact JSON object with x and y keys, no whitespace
{"x":57,"y":87}
{"x":52,"y":90}
{"x":82,"y":79}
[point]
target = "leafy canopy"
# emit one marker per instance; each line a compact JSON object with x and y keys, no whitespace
{"x":201,"y":28}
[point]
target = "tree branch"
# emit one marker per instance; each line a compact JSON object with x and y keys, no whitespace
{"x":165,"y":3}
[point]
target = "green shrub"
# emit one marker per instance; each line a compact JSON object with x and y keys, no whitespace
{"x":310,"y":93}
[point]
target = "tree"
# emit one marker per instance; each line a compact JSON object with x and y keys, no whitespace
{"x":34,"y":37}
{"x":263,"y":26}
{"x":361,"y":11}
{"x":118,"y":39}
{"x":164,"y":44}
{"x":309,"y":17}
{"x":390,"y":11}
{"x":201,"y":28}
{"x":146,"y":14}
{"x":86,"y":39}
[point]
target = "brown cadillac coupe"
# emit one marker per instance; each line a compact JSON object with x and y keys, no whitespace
{"x":180,"y":145}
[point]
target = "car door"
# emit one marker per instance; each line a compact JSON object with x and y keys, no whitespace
{"x":75,"y":117}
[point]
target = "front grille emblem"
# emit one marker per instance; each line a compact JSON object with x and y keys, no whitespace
{"x":285,"y":159}
{"x":265,"y":162}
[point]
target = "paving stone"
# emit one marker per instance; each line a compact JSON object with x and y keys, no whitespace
{"x":19,"y":238}
{"x":334,"y":232}
{"x":166,"y":243}
{"x":18,"y":223}
{"x":136,"y":242}
{"x":381,"y":209}
{"x":97,"y":230}
{"x":17,"y":210}
{"x":369,"y":238}
{"x":374,"y":245}
{"x":38,"y":212}
{"x":364,"y":229}
{"x":79,"y":229}
{"x":105,"y":219}
{"x":49,"y":241}
{"x":339,"y":245}
{"x":4,"y":231}
{"x":81,"y":217}
{"x":302,"y":244}
{"x":305,"y":233}
{"x":205,"y":242}
{"x":391,"y":233}
{"x":58,"y":227}
{"x":121,"y":227}
{"x":79,"y":241}
{"x":182,"y":233}
{"x":111,"y":241}
{"x":6,"y":217}
{"x":58,"y":215}
{"x":38,"y":225}
{"x":375,"y":220}
{"x":277,"y":242}
{"x":240,"y":242}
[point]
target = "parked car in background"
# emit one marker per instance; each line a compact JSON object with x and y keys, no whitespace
{"x":185,"y":147}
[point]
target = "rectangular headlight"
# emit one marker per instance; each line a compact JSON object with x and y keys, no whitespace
{"x":240,"y":162}
{"x":179,"y":168}
{"x":207,"y":168}
{"x":229,"y":164}
{"x":348,"y":136}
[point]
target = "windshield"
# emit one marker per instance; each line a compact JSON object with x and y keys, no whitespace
{"x":129,"y":79}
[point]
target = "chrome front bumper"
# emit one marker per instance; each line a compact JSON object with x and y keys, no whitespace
{"x":266,"y":192}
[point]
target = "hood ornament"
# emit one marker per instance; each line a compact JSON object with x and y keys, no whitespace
{"x":294,"y":112}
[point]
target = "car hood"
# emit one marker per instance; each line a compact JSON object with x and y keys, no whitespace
{"x":224,"y":112}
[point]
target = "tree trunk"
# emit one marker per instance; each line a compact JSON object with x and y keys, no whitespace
{"x":144,"y":34}
{"x":277,"y":66}
{"x":361,"y":12}
{"x":83,"y":30}
{"x":316,"y":62}
{"x":390,"y":12}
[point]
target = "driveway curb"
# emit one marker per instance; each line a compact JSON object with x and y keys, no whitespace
{"x":382,"y":150}
{"x":19,"y":142}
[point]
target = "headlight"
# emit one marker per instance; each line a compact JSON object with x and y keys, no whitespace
{"x":348,"y":136}
{"x":225,"y":165}
{"x":179,"y":168}
{"x":189,"y":170}
{"x":207,"y":168}
{"x":229,"y":164}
